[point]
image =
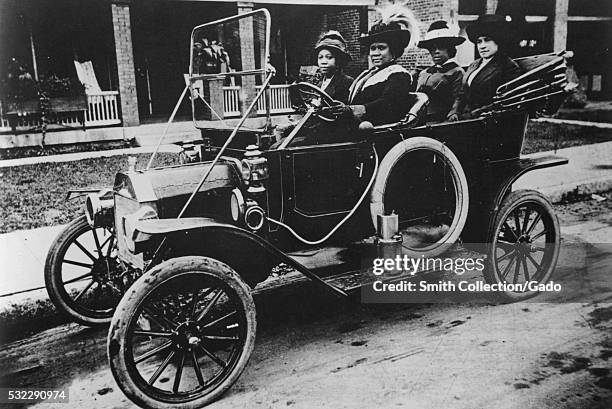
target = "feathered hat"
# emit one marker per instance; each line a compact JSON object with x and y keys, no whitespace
{"x":439,"y":31}
{"x":334,"y":40}
{"x":397,"y":24}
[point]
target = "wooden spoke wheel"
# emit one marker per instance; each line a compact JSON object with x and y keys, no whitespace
{"x":82,"y":274}
{"x":524,"y":243}
{"x":183,"y":334}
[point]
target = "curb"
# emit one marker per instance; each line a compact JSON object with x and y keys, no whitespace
{"x":561,"y":193}
{"x":600,"y":125}
{"x":24,"y":314}
{"x":70,"y":157}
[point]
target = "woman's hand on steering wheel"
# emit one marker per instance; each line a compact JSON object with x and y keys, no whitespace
{"x":337,"y":110}
{"x":315,"y":98}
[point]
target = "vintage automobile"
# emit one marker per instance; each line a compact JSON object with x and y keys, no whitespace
{"x":177,"y":251}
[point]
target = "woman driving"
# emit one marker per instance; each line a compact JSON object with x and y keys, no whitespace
{"x":331,"y":58}
{"x":491,"y":33}
{"x":381,"y":94}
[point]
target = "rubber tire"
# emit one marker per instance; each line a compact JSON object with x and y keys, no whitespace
{"x":461,"y":190}
{"x":148,"y":282}
{"x":510,"y":202}
{"x":53,"y":275}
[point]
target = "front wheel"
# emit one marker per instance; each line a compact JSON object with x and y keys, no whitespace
{"x":183,"y":334}
{"x":82,"y":273}
{"x":524,"y":244}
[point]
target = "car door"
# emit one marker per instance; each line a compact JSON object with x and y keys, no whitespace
{"x":322,"y":183}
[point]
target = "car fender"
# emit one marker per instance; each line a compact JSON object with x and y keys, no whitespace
{"x":513,"y":171}
{"x":247,"y":253}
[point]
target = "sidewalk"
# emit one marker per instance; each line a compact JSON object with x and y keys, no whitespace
{"x":143,"y":135}
{"x":70,"y":157}
{"x":23,"y":253}
{"x":589,"y":170}
{"x":146,"y":134}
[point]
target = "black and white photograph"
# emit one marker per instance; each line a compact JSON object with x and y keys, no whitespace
{"x":306,"y":204}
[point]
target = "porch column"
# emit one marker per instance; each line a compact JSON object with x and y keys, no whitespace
{"x":372,"y":17}
{"x":122,"y":30}
{"x":247,"y":57}
{"x":560,"y":25}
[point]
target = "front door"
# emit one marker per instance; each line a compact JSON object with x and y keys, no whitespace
{"x":322,"y":184}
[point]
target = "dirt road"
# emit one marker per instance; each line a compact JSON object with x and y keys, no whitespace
{"x":314,"y":352}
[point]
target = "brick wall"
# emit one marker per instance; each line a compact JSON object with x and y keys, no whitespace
{"x":313,"y":22}
{"x":247,"y":58}
{"x":349,"y":22}
{"x":125,"y":63}
{"x":426,"y":11}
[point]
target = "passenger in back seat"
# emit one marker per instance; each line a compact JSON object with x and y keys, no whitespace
{"x":491,"y":34}
{"x":441,"y":82}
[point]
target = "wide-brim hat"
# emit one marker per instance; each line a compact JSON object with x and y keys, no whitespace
{"x":385,"y":35}
{"x":333,"y":40}
{"x":498,"y":27}
{"x":439,"y":32}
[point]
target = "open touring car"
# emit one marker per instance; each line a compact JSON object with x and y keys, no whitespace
{"x":176,"y":251}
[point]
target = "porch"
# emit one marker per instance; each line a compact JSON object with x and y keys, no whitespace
{"x":103,"y":110}
{"x":103,"y":122}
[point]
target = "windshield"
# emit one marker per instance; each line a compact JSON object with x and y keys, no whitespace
{"x":227,"y":69}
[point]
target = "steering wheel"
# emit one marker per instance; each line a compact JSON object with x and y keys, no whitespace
{"x":311,"y":96}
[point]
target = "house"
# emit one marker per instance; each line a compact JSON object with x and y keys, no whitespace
{"x":140,"y":48}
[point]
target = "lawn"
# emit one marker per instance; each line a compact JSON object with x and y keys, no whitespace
{"x":34,"y":195}
{"x":543,"y":136}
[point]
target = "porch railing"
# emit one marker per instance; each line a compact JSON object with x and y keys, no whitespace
{"x":279,"y":100}
{"x":102,"y":110}
{"x":231,"y":101}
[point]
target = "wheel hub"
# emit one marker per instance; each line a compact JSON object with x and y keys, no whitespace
{"x":187,"y":335}
{"x":194,"y":341}
{"x":105,"y":270}
{"x":523,"y":244}
{"x":100,"y":270}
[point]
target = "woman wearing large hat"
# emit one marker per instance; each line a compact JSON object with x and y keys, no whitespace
{"x":441,"y":82}
{"x":332,"y":57}
{"x":381,"y":94}
{"x":492,"y":35}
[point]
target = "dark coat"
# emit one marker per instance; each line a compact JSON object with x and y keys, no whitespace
{"x":499,"y":70}
{"x":385,"y":94}
{"x":338,"y":87}
{"x":443,"y":87}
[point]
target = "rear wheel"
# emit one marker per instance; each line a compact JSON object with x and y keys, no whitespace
{"x":183,"y":334}
{"x":82,"y":274}
{"x":524,"y":243}
{"x":422,"y":181}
